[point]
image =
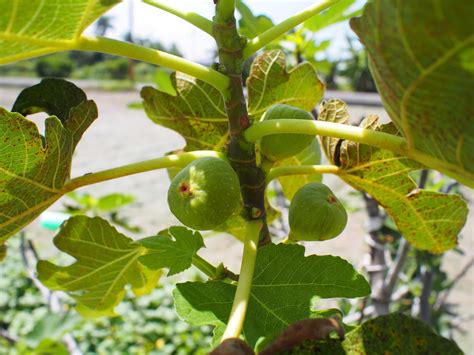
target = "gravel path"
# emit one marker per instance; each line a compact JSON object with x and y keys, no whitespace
{"x":122,"y":136}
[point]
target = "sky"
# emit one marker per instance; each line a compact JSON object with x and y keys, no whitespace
{"x":150,"y":22}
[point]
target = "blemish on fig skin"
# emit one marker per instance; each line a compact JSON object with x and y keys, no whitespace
{"x":331,"y":199}
{"x":185,"y":189}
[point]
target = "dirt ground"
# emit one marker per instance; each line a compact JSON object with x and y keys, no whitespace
{"x":122,"y":136}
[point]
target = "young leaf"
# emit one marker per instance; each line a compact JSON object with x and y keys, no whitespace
{"x":177,"y":254}
{"x":428,"y":220}
{"x":250,"y":25}
{"x":33,"y":171}
{"x":336,"y":13}
{"x":269,"y":83}
{"x":106,"y":261}
{"x":285,"y":281}
{"x":311,"y":155}
{"x":32,"y":29}
{"x":420,"y":55}
{"x":197,"y":112}
{"x":397,"y":334}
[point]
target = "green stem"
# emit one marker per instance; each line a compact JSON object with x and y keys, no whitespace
{"x":205,"y":267}
{"x":240,"y":153}
{"x":246,"y":13}
{"x":193,"y":18}
{"x":366,"y":136}
{"x":361,"y":135}
{"x":226,"y":8}
{"x":301,"y":170}
{"x":242,"y":294}
{"x":276,"y":31}
{"x":174,"y":160}
{"x":153,"y":56}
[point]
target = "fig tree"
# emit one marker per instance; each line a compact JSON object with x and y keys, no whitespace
{"x":316,"y":214}
{"x":280,"y":146}
{"x":205,"y":193}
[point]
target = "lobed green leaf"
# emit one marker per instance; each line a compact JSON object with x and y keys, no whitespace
{"x":196,"y":112}
{"x":175,"y":254}
{"x":106,"y":261}
{"x":284,"y":283}
{"x":269,"y":83}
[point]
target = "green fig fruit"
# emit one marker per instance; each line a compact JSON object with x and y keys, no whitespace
{"x":280,"y":146}
{"x":205,"y":193}
{"x":316,"y":214}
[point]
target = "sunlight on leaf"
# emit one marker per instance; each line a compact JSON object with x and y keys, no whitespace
{"x":428,"y":220}
{"x":269,"y":83}
{"x":197,"y":112}
{"x":175,"y":254}
{"x":30,"y":29}
{"x":106,"y":261}
{"x":33,"y":171}
{"x":417,"y":53}
{"x":285,"y":281}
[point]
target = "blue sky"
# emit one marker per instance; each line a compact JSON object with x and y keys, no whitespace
{"x":196,"y":45}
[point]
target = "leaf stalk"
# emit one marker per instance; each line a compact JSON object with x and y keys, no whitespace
{"x":205,"y":267}
{"x":366,"y":136}
{"x":153,"y":56}
{"x":242,"y":294}
{"x":301,"y":170}
{"x":361,"y":135}
{"x":173,"y":160}
{"x":191,"y":17}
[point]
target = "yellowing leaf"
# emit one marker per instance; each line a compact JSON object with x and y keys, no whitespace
{"x":30,"y":28}
{"x":397,"y":333}
{"x":197,"y":112}
{"x":33,"y":172}
{"x":106,"y":261}
{"x":420,"y":55}
{"x":269,"y":83}
{"x":428,"y":220}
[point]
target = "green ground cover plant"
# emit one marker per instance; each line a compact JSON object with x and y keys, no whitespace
{"x":420,"y":57}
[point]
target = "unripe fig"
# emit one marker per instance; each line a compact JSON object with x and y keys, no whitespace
{"x":316,"y":214}
{"x":204,"y":194}
{"x":280,"y":146}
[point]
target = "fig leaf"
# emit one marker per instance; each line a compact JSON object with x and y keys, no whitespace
{"x":428,"y":220}
{"x":175,"y":254}
{"x":281,"y":270}
{"x":106,"y":261}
